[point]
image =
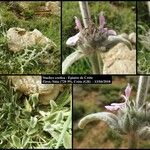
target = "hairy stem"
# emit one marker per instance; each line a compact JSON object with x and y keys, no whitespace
{"x":94,"y":62}
{"x":71,"y":59}
{"x":100,"y":62}
{"x":143,"y":86}
{"x":86,"y":18}
{"x":148,"y":3}
{"x":85,"y":12}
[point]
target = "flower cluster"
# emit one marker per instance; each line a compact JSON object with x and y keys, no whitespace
{"x":117,"y":106}
{"x":95,"y":38}
{"x":126,"y":119}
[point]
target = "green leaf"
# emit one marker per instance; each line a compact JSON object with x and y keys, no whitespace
{"x":55,"y":135}
{"x":24,"y":123}
{"x":28,"y":107}
{"x":31,"y":131}
{"x":64,"y":98}
{"x":25,"y":140}
{"x":16,"y":141}
{"x":127,"y":123}
{"x":34,"y":99}
{"x":53,"y":105}
{"x":59,"y":117}
{"x":33,"y":122}
{"x":67,"y":141}
{"x":47,"y":127}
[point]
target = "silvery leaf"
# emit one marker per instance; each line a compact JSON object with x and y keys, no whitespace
{"x":109,"y":118}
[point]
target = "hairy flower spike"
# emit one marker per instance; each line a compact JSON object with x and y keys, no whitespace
{"x":102,"y":19}
{"x":95,"y":38}
{"x":78,"y":24}
{"x":117,"y":106}
{"x":128,"y":91}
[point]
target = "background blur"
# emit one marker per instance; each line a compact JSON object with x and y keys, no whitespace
{"x":92,"y":98}
{"x":120,"y":16}
{"x":143,"y":17}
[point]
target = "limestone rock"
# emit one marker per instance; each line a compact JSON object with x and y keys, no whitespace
{"x":132,"y":37}
{"x":19,"y":39}
{"x":32,"y":84}
{"x":119,"y":60}
{"x":53,"y":7}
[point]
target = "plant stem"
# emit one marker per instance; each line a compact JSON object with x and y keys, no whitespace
{"x":100,"y":62}
{"x":85,"y":12}
{"x":94,"y":62}
{"x":133,"y":140}
{"x":143,"y":86}
{"x":148,"y":3}
{"x":71,"y":59}
{"x":86,"y":18}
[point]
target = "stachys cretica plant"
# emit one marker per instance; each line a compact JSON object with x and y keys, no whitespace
{"x":92,"y":40}
{"x":95,"y":37}
{"x":125,"y":118}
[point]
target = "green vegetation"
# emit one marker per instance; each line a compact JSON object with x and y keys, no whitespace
{"x":49,"y":26}
{"x":120,"y":18}
{"x":142,"y":46}
{"x":114,"y":137}
{"x":24,"y":123}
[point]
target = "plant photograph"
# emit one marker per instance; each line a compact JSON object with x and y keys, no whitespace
{"x":112,"y":116}
{"x":143,"y":30}
{"x":34,"y":115}
{"x":30,"y":37}
{"x":99,"y":37}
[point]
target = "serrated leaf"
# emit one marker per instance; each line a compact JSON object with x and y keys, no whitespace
{"x":16,"y":141}
{"x":110,"y":118}
{"x":33,"y":122}
{"x":67,"y":141}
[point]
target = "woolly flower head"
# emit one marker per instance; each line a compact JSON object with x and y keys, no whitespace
{"x":94,"y":37}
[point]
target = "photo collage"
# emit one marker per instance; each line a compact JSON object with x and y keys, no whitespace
{"x":64,"y":40}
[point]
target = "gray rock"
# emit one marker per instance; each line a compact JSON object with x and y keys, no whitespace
{"x":132,"y":37}
{"x":19,"y":39}
{"x":32,"y":84}
{"x":119,"y":60}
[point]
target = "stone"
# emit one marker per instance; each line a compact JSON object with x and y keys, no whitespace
{"x":132,"y":37}
{"x":53,"y":7}
{"x":119,"y":60}
{"x":50,"y":8}
{"x":29,"y":85}
{"x":19,"y":39}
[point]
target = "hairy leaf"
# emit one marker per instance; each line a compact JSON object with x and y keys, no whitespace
{"x":109,"y":118}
